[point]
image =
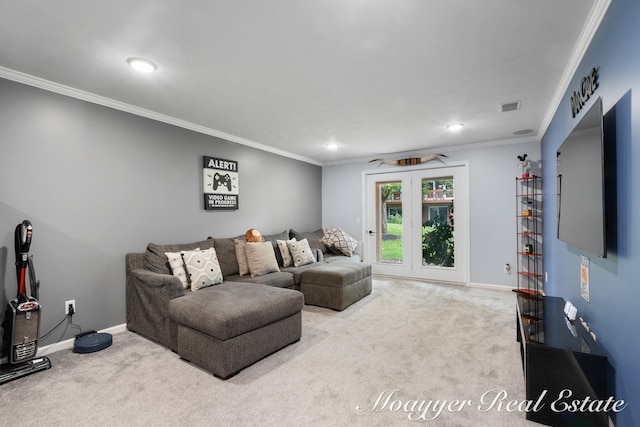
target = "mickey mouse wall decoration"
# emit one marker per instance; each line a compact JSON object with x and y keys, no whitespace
{"x":524,"y":165}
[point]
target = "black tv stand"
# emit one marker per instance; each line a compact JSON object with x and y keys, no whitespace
{"x":559,"y":358}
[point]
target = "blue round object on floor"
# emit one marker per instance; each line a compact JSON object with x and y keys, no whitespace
{"x":92,"y":342}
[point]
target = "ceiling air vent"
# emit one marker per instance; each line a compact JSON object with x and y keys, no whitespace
{"x":509,"y":106}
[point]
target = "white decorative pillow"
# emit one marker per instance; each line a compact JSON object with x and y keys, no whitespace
{"x":241,"y":257}
{"x":338,"y":239}
{"x":327,"y":239}
{"x":177,"y":267}
{"x":287,"y":260}
{"x":261,"y":258}
{"x":301,"y":252}
{"x":203,"y":268}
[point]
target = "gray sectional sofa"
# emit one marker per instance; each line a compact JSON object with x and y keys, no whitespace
{"x":228,"y":326}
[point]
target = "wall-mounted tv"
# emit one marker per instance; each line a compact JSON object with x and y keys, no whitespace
{"x":581,"y":185}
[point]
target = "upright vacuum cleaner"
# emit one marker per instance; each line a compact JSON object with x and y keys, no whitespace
{"x":22,"y":318}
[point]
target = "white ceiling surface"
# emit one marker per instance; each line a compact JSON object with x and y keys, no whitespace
{"x":376,"y":76}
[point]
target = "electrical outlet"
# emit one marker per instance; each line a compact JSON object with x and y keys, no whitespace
{"x":507,"y":269}
{"x":71,"y":303}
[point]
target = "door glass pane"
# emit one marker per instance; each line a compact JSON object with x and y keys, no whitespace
{"x":437,"y":222}
{"x":389,"y":221}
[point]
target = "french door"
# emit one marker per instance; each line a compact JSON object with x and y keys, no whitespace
{"x":416,"y":223}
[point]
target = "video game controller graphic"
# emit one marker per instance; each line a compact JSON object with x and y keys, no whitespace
{"x":221,"y":180}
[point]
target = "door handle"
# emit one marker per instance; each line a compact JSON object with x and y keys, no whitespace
{"x":371,"y":233}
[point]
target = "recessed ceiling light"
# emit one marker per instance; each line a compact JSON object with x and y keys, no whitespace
{"x":142,"y":65}
{"x":332,"y":145}
{"x":454,"y":127}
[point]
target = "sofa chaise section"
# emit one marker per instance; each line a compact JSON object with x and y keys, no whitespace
{"x":235,"y":324}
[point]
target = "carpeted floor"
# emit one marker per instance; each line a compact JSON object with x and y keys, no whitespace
{"x":409,"y":353}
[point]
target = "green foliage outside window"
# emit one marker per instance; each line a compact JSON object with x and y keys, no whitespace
{"x":437,"y":242}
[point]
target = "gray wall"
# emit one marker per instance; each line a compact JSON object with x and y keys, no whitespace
{"x":97,"y":183}
{"x":492,"y":205}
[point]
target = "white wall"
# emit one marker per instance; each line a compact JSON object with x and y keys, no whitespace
{"x":492,"y":204}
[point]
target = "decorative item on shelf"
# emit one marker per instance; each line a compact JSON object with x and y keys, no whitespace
{"x":524,"y":165}
{"x":528,"y":248}
{"x":527,"y":212}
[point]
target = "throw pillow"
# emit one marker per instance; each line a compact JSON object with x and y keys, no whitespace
{"x":155,"y":259}
{"x":243,"y":267}
{"x":261,"y":258}
{"x":340,"y":240}
{"x":273,"y":238}
{"x":301,"y":252}
{"x":313,"y":237}
{"x":203,"y":268}
{"x":226,"y":251}
{"x":287,"y":260}
{"x":177,"y":267}
{"x":327,"y":238}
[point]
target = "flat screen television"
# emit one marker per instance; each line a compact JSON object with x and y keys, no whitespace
{"x":581,"y":184}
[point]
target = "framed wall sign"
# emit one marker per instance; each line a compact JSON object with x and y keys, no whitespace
{"x":220,"y":183}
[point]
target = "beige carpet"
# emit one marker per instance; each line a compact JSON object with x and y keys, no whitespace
{"x":413,"y":342}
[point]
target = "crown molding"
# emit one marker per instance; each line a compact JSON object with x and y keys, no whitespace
{"x":61,"y":89}
{"x":596,"y":16}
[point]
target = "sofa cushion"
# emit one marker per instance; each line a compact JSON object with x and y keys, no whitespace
{"x":301,"y":252}
{"x":278,"y":279}
{"x":331,"y":257}
{"x":203,"y":268}
{"x":273,"y":239}
{"x":156,"y":260}
{"x":226,"y":251}
{"x":261,"y":258}
{"x":313,"y":237}
{"x":231,"y":309}
{"x":337,"y":274}
{"x":297,"y":271}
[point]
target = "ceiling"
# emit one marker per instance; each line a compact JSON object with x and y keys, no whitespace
{"x":289,"y":76}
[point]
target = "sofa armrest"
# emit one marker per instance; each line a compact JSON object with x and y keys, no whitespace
{"x":134,"y":260}
{"x":166,"y":284}
{"x":148,"y":296}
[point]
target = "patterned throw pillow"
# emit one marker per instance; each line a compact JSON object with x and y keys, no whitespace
{"x":287,"y":260}
{"x":301,"y":252}
{"x":337,"y":239}
{"x":203,"y":268}
{"x":177,"y":267}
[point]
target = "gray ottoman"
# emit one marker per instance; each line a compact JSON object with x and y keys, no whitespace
{"x":336,"y":285}
{"x":227,"y":327}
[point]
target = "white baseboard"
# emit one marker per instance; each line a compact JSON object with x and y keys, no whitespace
{"x":490,"y":286}
{"x":470,"y":284}
{"x":67,"y":344}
